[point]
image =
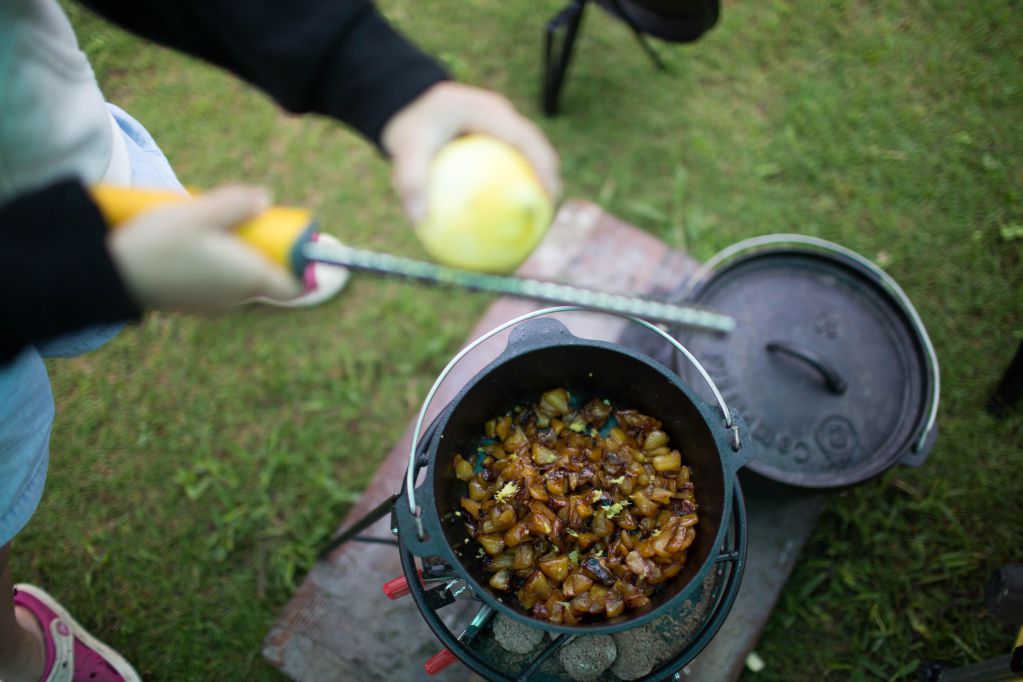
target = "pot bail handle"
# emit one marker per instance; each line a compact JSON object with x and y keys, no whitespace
{"x":410,"y":473}
{"x":832,"y":379}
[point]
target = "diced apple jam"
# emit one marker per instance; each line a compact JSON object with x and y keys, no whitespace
{"x":582,"y":512}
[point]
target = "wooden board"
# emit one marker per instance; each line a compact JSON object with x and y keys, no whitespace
{"x":340,"y":626}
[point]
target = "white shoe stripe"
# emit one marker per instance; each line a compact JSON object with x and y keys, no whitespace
{"x":64,"y":650}
{"x":115,"y":659}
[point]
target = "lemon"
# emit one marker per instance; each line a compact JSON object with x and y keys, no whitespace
{"x":485,"y":208}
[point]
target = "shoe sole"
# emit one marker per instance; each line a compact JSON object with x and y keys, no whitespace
{"x":123,"y":667}
{"x":331,"y":280}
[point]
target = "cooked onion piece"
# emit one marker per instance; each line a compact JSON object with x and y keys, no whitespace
{"x":581,"y":511}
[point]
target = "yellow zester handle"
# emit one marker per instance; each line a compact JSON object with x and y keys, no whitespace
{"x":279,"y":232}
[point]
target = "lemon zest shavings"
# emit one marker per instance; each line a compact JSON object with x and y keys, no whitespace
{"x":616,"y":508}
{"x":509,"y":490}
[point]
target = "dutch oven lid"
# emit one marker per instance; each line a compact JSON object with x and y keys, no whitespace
{"x":829,"y":362}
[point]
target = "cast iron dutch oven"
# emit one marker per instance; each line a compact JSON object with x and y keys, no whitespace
{"x":542,"y":354}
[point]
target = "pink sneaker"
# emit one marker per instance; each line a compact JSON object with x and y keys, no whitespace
{"x":72,"y":654}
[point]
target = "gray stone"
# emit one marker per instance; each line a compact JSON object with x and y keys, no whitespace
{"x":639,"y":650}
{"x":516,"y":637}
{"x":586,"y":659}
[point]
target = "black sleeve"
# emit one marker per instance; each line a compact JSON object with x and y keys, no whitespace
{"x":55,"y":271}
{"x":335,"y":57}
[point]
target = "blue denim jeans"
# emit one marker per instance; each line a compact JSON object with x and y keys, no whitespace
{"x":26,"y":403}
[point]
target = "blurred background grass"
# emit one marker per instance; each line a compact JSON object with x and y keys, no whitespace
{"x":198,"y":464}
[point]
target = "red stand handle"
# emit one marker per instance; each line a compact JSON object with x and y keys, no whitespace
{"x":439,"y":661}
{"x":398,"y":588}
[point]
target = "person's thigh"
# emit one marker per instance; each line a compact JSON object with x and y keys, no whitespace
{"x":149,"y":167}
{"x":26,"y":415}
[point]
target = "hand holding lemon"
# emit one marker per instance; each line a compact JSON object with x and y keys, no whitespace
{"x":478,"y":179}
{"x":485,"y":207}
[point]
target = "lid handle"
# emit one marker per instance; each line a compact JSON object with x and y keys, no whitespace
{"x":832,"y":379}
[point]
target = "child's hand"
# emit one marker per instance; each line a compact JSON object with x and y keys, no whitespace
{"x":444,"y":112}
{"x":184,"y":257}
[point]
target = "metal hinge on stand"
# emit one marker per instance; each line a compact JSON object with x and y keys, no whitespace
{"x":557,"y":55}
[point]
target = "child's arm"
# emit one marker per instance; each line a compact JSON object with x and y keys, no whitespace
{"x":62,"y":269}
{"x":335,"y":57}
{"x":341,"y":58}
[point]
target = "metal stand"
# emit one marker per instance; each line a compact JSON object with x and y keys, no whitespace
{"x":1002,"y":669}
{"x":1003,"y":597}
{"x":558,"y":54}
{"x":1007,"y":396}
{"x":375,"y":514}
{"x":352,"y":532}
{"x":730,"y":565}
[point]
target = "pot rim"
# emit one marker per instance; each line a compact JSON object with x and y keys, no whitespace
{"x":436,"y":543}
{"x":410,"y":483}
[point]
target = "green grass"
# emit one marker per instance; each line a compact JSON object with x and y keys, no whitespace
{"x":197,"y":464}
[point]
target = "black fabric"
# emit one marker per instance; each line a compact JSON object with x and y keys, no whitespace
{"x":56,"y":274}
{"x":676,"y":21}
{"x":334,"y":57}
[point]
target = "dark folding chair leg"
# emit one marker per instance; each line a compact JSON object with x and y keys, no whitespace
{"x":640,"y":38}
{"x":1006,"y":397}
{"x":558,"y":55}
